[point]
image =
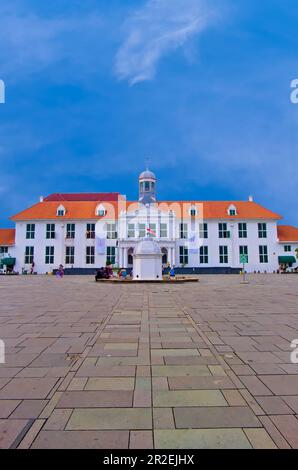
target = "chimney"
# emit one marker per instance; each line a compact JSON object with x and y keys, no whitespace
{"x":41,"y":199}
{"x":251,"y":198}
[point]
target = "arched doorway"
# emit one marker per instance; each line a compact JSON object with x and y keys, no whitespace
{"x":130,"y":257}
{"x":164,"y":252}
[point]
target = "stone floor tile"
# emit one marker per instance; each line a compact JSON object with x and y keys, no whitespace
{"x":7,"y":407}
{"x":288,"y":426}
{"x":77,"y":384}
{"x":29,"y":437}
{"x":142,"y":398}
{"x":58,"y":420}
{"x":200,"y":383}
{"x":274,"y":433}
{"x":28,"y":388}
{"x":176,"y":398}
{"x":217,"y":370}
{"x":143,"y":383}
{"x":163,"y":418}
{"x":201,"y":439}
{"x":121,"y":418}
{"x":29,"y":409}
{"x":106,"y":371}
{"x":81,"y":440}
{"x":10,"y":431}
{"x":180,"y":371}
{"x":279,"y":384}
{"x":141,"y":440}
{"x":174,"y":352}
{"x":110,"y":383}
{"x":259,"y":439}
{"x":274,"y":406}
{"x":95,"y":399}
{"x":215,"y":417}
{"x":292,"y":401}
{"x":255,"y":386}
{"x":234,"y":398}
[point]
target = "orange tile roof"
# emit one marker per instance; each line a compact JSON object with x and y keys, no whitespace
{"x":287,"y":233}
{"x":7,"y":236}
{"x":47,"y":210}
{"x":219,"y":209}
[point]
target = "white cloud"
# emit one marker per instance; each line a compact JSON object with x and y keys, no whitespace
{"x":158,"y":28}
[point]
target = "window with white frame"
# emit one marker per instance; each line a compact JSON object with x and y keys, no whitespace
{"x":163,"y":230}
{"x":183,"y":255}
{"x":70,"y":255}
{"x":50,"y":231}
{"x":131,"y":231}
{"x":262,"y":230}
{"x":243,"y":250}
{"x":204,"y":258}
{"x":263,"y":252}
{"x":111,"y":231}
{"x":29,"y":254}
{"x":142,"y":230}
{"x":90,"y":231}
{"x":101,"y":211}
{"x":90,"y":255}
{"x":70,"y":231}
{"x":242,"y":230}
{"x":49,"y":255}
{"x":232,"y":211}
{"x":287,"y":248}
{"x":61,"y":211}
{"x":193,"y":211}
{"x":3,"y":250}
{"x":223,"y":255}
{"x":183,"y":231}
{"x":223,"y":230}
{"x":30,"y":231}
{"x":111,"y":255}
{"x":203,"y":230}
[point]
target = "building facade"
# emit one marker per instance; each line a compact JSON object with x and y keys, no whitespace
{"x":86,"y":231}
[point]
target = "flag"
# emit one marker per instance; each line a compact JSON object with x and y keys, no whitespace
{"x":149,"y":230}
{"x":100,"y":246}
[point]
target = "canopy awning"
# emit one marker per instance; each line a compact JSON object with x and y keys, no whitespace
{"x":8,"y":261}
{"x":287,"y":260}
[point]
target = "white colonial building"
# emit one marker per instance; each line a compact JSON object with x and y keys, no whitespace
{"x":85,"y":231}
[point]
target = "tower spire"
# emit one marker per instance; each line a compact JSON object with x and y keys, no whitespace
{"x":147,"y":163}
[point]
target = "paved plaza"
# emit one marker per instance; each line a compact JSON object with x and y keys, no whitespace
{"x":95,"y":365}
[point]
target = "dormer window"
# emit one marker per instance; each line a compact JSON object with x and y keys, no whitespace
{"x":100,"y":211}
{"x":193,"y":211}
{"x":61,"y":211}
{"x":232,"y":211}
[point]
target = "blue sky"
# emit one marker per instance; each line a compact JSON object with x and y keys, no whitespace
{"x":202,"y":88}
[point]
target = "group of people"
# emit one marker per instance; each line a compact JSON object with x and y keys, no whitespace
{"x":104,"y":273}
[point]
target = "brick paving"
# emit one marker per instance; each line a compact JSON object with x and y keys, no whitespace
{"x":202,"y":365}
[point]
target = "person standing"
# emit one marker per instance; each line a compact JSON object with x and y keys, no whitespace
{"x":32,"y":267}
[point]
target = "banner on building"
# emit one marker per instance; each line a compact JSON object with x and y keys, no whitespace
{"x":100,"y":246}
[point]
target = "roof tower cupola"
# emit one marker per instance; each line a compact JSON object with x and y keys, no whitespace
{"x":147,"y":187}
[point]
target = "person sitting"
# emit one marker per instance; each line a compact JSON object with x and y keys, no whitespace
{"x":99,"y":274}
{"x":123,"y":273}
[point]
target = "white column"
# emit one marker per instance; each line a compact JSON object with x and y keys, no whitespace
{"x":121,"y":258}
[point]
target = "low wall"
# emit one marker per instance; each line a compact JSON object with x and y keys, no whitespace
{"x":188,"y":271}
